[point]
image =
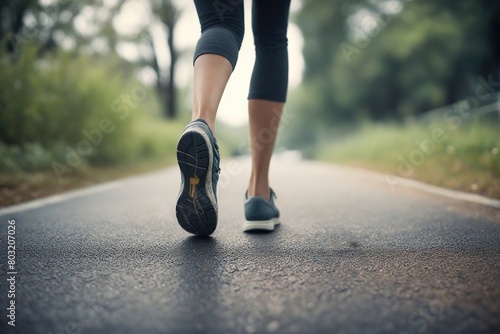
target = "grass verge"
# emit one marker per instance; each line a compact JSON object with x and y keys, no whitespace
{"x":463,"y":157}
{"x":151,"y":146}
{"x":18,"y":188}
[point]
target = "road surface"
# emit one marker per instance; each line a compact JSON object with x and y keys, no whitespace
{"x":352,"y":255}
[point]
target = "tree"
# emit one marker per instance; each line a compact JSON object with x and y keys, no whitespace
{"x":56,"y":24}
{"x":29,"y":21}
{"x":168,"y":15}
{"x":390,"y":59}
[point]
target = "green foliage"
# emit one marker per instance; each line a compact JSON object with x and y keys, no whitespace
{"x":76,"y":111}
{"x":54,"y":100}
{"x":425,"y":55}
{"x":88,"y":27}
{"x":467,"y":157}
{"x":28,"y":157}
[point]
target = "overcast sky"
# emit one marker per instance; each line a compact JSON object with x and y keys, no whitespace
{"x":233,"y":106}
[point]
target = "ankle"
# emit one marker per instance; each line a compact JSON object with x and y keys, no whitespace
{"x":261,"y":190}
{"x":209,"y":120}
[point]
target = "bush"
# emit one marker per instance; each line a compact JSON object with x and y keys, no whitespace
{"x":462,"y":158}
{"x":72,"y":110}
{"x":29,"y":157}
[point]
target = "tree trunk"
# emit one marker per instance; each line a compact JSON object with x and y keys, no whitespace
{"x":171,"y":108}
{"x":18,"y":23}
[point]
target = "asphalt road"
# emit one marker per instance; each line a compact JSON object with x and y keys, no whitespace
{"x":352,"y":256}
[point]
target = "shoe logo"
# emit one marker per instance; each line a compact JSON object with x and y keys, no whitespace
{"x":193,"y":182}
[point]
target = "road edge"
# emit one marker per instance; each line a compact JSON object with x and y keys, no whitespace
{"x":58,"y":198}
{"x":393,"y":181}
{"x":390,"y":180}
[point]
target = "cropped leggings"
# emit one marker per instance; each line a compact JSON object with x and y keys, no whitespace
{"x":222,"y":30}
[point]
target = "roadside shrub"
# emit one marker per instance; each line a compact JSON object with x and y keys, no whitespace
{"x":53,"y":107}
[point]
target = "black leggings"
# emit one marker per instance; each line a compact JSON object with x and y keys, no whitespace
{"x":222,"y":30}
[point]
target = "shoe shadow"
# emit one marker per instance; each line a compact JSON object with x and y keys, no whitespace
{"x":260,"y":232}
{"x":197,"y":250}
{"x":199,"y":273}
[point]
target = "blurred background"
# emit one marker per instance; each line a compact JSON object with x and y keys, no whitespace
{"x":93,"y":90}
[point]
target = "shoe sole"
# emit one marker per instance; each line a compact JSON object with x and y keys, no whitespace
{"x":260,"y":225}
{"x":196,"y":208}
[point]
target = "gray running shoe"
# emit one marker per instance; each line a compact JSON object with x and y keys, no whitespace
{"x":198,"y":158}
{"x":261,"y":214}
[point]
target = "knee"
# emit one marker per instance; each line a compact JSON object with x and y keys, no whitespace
{"x":221,"y":41}
{"x":270,"y":38}
{"x":226,"y":33}
{"x":234,"y":27}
